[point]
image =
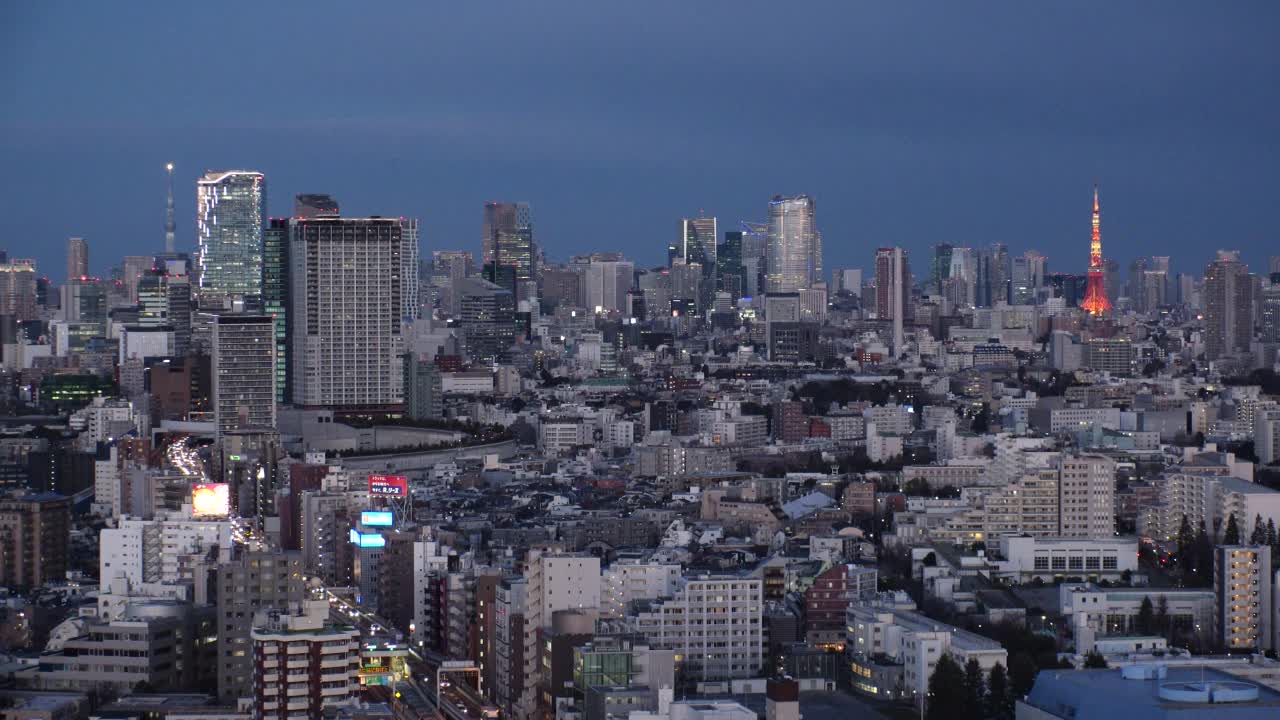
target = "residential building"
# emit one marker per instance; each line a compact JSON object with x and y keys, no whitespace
{"x":302,"y":665}
{"x":712,"y":622}
{"x":1244,"y":603}
{"x":346,"y":292}
{"x":244,"y":372}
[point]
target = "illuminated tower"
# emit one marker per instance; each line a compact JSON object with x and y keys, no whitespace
{"x":168,"y":214}
{"x":1095,"y":298}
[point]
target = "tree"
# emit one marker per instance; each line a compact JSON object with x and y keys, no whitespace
{"x":975,"y":691}
{"x":1232,"y":535}
{"x":1162,"y":616}
{"x":1271,"y":531}
{"x":1259,"y":536}
{"x":1146,"y":617}
{"x":946,"y":690}
{"x":999,"y":701}
{"x":1185,"y":539}
{"x":1094,"y":660}
{"x":1022,"y":673}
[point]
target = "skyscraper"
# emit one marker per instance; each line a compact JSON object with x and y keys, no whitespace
{"x":345,"y":295}
{"x":1095,"y":298}
{"x":1228,"y":306}
{"x":941,"y":265}
{"x":792,"y":261}
{"x":77,"y":258}
{"x":244,"y":372}
{"x":893,"y":291}
{"x":729,"y":271}
{"x":698,"y":237}
{"x":508,"y":242}
{"x":755,"y":249}
{"x":487,"y":320}
{"x":230,"y":209}
{"x":18,"y":288}
{"x":275,"y":295}
{"x":410,"y":305}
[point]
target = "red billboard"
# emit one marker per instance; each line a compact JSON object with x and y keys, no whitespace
{"x":388,"y":485}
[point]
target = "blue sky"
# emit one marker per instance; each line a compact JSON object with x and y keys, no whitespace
{"x":910,"y":123}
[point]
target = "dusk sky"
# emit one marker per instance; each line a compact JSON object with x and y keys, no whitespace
{"x":910,"y":123}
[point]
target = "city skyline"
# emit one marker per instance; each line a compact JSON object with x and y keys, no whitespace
{"x":940,"y":146}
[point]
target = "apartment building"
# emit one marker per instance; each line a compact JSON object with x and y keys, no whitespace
{"x":301,"y":664}
{"x":1244,"y":604}
{"x":713,"y":623}
{"x":1086,"y":496}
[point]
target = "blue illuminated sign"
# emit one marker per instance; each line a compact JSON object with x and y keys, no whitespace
{"x":377,"y":518}
{"x":367,"y":540}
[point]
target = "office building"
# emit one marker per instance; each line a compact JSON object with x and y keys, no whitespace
{"x":487,"y":320}
{"x":793,"y":253}
{"x":1244,"y":605}
{"x":77,"y":258}
{"x":508,"y":243}
{"x":1228,"y":306}
{"x":244,"y":372}
{"x":606,"y":280}
{"x":18,"y":289}
{"x":247,"y":583}
{"x":35,"y":533}
{"x":302,"y":665}
{"x":730,"y":273}
{"x":1270,"y":312}
{"x":230,"y":213}
{"x":423,"y":390}
{"x":893,"y":291}
{"x":310,"y":205}
{"x":345,"y":313}
{"x":276,"y":285}
{"x":847,"y":281}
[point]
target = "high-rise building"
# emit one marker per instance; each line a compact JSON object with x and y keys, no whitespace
{"x":423,"y":391}
{"x":244,"y":372}
{"x":310,"y":205}
{"x":1096,"y":300}
{"x":893,"y":291}
{"x":487,"y":320}
{"x":1086,"y":497}
{"x":246,"y":583}
{"x":275,"y":293}
{"x":34,"y":531}
{"x":607,"y":279}
{"x":847,"y":280}
{"x":507,"y":243}
{"x":77,"y":258}
{"x":698,"y":245}
{"x":729,"y":270}
{"x":18,"y":289}
{"x":1228,"y":306}
{"x":345,"y":304}
{"x":993,"y":276}
{"x":792,"y":255}
{"x":941,"y":265}
{"x":755,"y":250}
{"x":410,"y":303}
{"x":1243,"y":602}
{"x":230,"y":211}
{"x":1270,"y":312}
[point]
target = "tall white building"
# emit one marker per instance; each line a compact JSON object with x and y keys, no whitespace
{"x":713,"y":623}
{"x":793,"y":254}
{"x":607,"y":283}
{"x":347,"y":292}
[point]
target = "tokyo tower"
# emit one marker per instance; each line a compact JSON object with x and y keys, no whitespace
{"x":1095,"y":298}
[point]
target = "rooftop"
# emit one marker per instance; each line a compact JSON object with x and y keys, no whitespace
{"x":1106,"y":694}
